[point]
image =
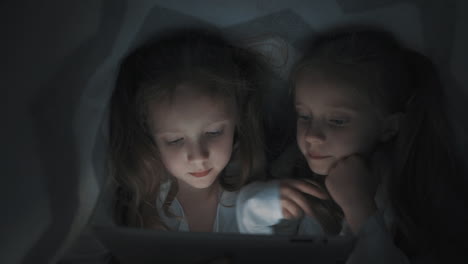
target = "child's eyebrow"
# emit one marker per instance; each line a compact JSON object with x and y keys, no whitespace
{"x":339,"y":105}
{"x":345,"y":107}
{"x":175,"y":131}
{"x":217,"y":122}
{"x":298,"y":104}
{"x":161,"y":132}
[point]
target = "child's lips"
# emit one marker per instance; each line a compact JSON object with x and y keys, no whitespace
{"x":201,"y":173}
{"x":315,"y":156}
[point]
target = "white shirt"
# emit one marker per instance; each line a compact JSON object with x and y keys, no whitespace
{"x":225,"y":220}
{"x":88,"y":249}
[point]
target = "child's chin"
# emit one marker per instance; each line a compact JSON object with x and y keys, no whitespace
{"x":320,"y":170}
{"x":202,"y":183}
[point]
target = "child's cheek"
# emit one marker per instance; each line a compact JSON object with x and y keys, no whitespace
{"x":171,"y":156}
{"x":365,"y":142}
{"x":345,"y":143}
{"x":171,"y":153}
{"x":300,"y":136}
{"x":176,"y":161}
{"x":221,"y":150}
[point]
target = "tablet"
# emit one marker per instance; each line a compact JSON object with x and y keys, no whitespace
{"x":138,"y":246}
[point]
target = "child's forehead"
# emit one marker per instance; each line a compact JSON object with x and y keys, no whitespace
{"x":328,"y":88}
{"x":187,"y":92}
{"x":190,"y":109}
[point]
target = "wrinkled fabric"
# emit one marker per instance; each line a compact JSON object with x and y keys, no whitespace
{"x":225,"y":221}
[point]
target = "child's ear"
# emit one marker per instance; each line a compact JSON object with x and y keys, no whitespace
{"x":391,"y":127}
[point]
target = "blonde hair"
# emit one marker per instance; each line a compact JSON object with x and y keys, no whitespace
{"x":398,"y":80}
{"x":150,"y":75}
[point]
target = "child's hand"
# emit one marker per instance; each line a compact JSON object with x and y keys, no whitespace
{"x":352,"y":185}
{"x":293,"y":197}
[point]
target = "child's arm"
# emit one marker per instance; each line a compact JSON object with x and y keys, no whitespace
{"x":262,"y":205}
{"x":352,"y":185}
{"x":375,"y":244}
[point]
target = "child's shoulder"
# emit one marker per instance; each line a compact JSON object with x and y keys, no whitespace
{"x":228,"y":198}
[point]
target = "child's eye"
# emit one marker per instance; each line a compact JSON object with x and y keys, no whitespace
{"x":173,"y":142}
{"x":303,"y":117}
{"x":214,"y":133}
{"x":339,"y":121}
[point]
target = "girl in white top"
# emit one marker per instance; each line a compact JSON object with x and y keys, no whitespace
{"x":185,"y":136}
{"x":186,"y":107}
{"x":372,"y":130}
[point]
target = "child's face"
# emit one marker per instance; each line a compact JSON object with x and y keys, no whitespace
{"x":194,"y":134}
{"x":334,"y":121}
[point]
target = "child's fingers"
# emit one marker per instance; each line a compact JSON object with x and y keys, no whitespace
{"x":308,"y":187}
{"x":314,"y":183}
{"x":297,"y":198}
{"x":286,"y":214}
{"x":290,"y":209}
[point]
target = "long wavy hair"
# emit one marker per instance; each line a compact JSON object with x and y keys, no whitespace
{"x":150,"y":75}
{"x":424,"y":186}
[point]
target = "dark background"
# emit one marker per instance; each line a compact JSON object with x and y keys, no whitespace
{"x":59,"y":60}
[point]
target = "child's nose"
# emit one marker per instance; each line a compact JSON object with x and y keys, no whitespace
{"x":314,"y":134}
{"x":197,"y":152}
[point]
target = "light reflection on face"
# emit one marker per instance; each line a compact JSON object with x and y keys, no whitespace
{"x":194,"y":134}
{"x":333,"y":121}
